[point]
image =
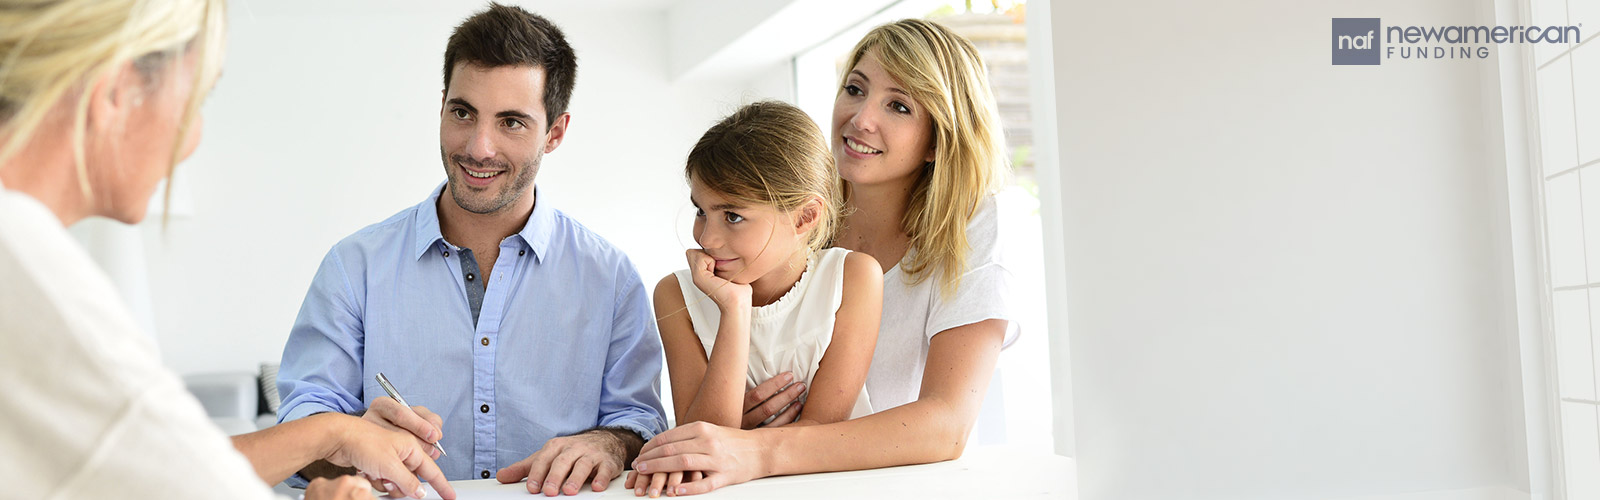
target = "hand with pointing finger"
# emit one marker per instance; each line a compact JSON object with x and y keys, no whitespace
{"x":388,"y":458}
{"x":418,"y":421}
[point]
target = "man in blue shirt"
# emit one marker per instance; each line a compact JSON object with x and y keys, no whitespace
{"x":530,"y":336}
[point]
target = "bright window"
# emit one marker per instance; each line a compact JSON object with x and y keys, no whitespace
{"x":1566,"y":88}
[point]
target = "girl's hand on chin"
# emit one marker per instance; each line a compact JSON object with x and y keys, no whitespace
{"x":727,"y":294}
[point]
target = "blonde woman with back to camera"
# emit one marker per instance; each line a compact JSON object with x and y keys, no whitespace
{"x":99,"y":101}
{"x":916,"y":137}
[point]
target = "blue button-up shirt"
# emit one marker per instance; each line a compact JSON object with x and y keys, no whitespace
{"x":565,"y":340}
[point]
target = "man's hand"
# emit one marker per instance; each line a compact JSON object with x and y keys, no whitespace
{"x":773,"y":398}
{"x":564,"y":464}
{"x":416,"y":420}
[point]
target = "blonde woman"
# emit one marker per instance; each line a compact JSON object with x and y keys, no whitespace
{"x":99,"y":101}
{"x":917,"y":140}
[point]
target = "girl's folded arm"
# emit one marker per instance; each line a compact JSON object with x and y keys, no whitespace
{"x":843,"y":369}
{"x":703,"y":388}
{"x":686,"y":359}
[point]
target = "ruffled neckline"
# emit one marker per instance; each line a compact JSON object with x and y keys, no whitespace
{"x":789,"y":298}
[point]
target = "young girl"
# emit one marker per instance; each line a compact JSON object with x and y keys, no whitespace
{"x":762,"y":295}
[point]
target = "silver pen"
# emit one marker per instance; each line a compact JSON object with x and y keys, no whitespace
{"x":389,"y":388}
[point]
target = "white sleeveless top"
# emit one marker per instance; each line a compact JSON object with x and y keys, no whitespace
{"x":789,"y":335}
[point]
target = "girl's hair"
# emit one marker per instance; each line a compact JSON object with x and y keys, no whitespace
{"x":770,"y":154}
{"x":944,"y":75}
{"x":51,"y":49}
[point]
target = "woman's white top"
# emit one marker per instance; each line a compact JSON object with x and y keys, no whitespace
{"x":914,"y":314}
{"x":86,"y":408}
{"x":789,"y":335}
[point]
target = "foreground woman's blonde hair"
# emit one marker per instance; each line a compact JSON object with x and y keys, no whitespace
{"x":944,"y":75}
{"x":53,"y":49}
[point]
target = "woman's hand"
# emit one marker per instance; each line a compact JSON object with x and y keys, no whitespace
{"x":727,"y":294}
{"x":395,"y":457}
{"x":721,"y":455}
{"x":339,"y":488}
{"x":427,"y":426}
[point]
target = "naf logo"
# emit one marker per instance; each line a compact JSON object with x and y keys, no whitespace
{"x":1356,"y":41}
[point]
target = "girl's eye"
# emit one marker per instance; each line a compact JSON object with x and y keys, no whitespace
{"x":733,"y":218}
{"x":900,"y":108}
{"x":461,"y":114}
{"x":698,"y":213}
{"x":852,"y":89}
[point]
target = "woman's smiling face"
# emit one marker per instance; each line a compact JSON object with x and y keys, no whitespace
{"x":879,"y":134}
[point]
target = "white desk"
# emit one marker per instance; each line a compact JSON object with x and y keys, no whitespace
{"x":981,"y":473}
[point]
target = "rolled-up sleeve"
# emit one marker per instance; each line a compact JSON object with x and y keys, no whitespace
{"x":631,"y":392}
{"x":321,"y":366}
{"x":985,"y":290}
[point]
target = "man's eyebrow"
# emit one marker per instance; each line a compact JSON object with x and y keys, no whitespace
{"x":511,"y":113}
{"x":463,"y":103}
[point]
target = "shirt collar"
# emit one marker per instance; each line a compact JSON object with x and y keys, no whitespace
{"x":541,"y":225}
{"x":535,"y":234}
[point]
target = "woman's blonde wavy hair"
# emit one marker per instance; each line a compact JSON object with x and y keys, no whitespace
{"x":943,"y":73}
{"x":53,"y":49}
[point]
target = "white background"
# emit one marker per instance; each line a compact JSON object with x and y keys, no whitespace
{"x":1283,"y":279}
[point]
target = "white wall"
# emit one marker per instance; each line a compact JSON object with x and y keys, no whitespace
{"x":1282,"y":277}
{"x":326,"y":120}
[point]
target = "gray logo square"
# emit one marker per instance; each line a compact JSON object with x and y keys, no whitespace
{"x":1357,"y":40}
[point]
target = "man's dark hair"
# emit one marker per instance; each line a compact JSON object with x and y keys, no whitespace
{"x":510,"y":36}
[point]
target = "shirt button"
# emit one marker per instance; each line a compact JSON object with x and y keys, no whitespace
{"x":520,"y":252}
{"x":469,"y":276}
{"x":484,"y":408}
{"x":446,"y":253}
{"x":484,"y":474}
{"x":485,"y":342}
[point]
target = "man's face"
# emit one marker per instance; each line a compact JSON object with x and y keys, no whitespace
{"x":492,"y":134}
